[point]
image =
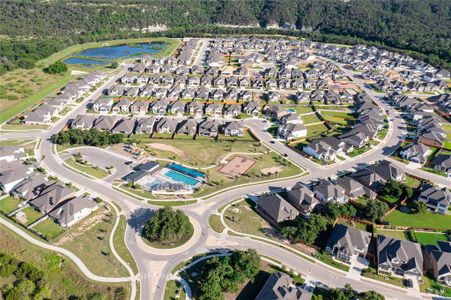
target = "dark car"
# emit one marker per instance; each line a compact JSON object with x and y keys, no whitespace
{"x":271,"y":141}
{"x":128,"y":162}
{"x":285,"y":154}
{"x":408,"y":283}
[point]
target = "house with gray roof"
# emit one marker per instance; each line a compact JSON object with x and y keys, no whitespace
{"x":442,"y":162}
{"x":388,"y":170}
{"x":73,"y":210}
{"x":436,"y":199}
{"x":12,"y":153}
{"x":50,"y":197}
{"x":139,"y":107}
{"x":233,"y":129}
{"x":124,"y":126}
{"x":102,"y":105}
{"x":104,"y":123}
{"x":178,"y":108}
{"x":145,"y":125}
{"x":345,"y":242}
{"x":280,"y":286}
{"x":291,"y":131}
{"x":252,"y":108}
{"x":82,"y":122}
{"x":209,"y":127}
{"x":276,"y":209}
{"x":195,"y":108}
{"x":160,"y":107}
{"x":122,"y":105}
{"x":30,"y":187}
{"x":416,"y":153}
{"x":40,"y":116}
{"x":354,"y":189}
{"x":326,"y":191}
{"x":303,"y":199}
{"x":11,"y":173}
{"x":438,"y":261}
{"x":398,"y":257}
{"x":166,"y":125}
{"x":187,"y":126}
{"x":214,"y":109}
{"x":325,"y":148}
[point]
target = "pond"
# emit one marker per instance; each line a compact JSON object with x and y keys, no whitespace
{"x":104,"y":55}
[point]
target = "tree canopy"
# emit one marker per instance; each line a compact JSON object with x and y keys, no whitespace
{"x":167,"y":226}
{"x":375,"y":210}
{"x":92,"y":137}
{"x":57,"y":67}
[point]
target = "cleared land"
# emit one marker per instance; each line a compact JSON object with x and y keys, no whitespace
{"x":63,"y":277}
{"x":89,"y":241}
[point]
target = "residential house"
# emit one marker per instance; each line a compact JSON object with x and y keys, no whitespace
{"x":398,"y":257}
{"x":354,"y":189}
{"x":442,"y":162}
{"x":82,"y":122}
{"x":50,"y":197}
{"x":326,"y":191}
{"x":214,"y":109}
{"x":160,"y":107}
{"x":187,"y":126}
{"x":345,"y":242}
{"x":291,"y":131}
{"x":195,"y":108}
{"x":139,"y":107}
{"x":438,"y":261}
{"x":12,"y":153}
{"x":416,"y":152}
{"x":122,"y":106}
{"x":178,"y":108}
{"x":102,"y":105}
{"x":276,"y":209}
{"x":232,"y":111}
{"x":124,"y":126}
{"x":325,"y":148}
{"x":303,"y":199}
{"x":209,"y":128}
{"x":104,"y":123}
{"x":73,"y":210}
{"x":166,"y":125}
{"x":252,"y":108}
{"x":29,"y":187}
{"x":436,"y":199}
{"x":145,"y":125}
{"x":280,"y":286}
{"x":11,"y":173}
{"x":233,"y":129}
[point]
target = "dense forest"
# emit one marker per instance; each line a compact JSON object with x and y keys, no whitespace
{"x":416,"y":25}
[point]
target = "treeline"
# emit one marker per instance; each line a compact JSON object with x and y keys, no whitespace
{"x":91,"y":137}
{"x":413,"y":25}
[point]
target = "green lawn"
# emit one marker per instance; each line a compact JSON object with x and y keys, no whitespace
{"x":310,"y":119}
{"x":316,"y":130}
{"x":8,"y":204}
{"x":86,"y":168}
{"x":426,"y":220}
{"x":32,"y":215}
{"x":428,"y":238}
{"x":359,"y":151}
{"x":174,"y":289}
{"x":431,"y":285}
{"x":397,"y":234}
{"x":371,"y":273}
{"x":49,"y":229}
{"x":120,"y":246}
{"x":390,"y":199}
{"x":214,"y":221}
{"x":412,"y":182}
{"x":326,"y":258}
{"x":303,"y":109}
{"x":172,"y":203}
{"x":63,"y":278}
{"x":88,"y":239}
{"x":17,"y":142}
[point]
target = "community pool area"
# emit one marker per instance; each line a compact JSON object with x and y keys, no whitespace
{"x":185,"y":170}
{"x":176,"y":176}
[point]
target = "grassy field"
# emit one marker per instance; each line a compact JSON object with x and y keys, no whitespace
{"x":303,"y":109}
{"x":397,"y":234}
{"x":174,"y":290}
{"x":62,"y":276}
{"x":316,"y":130}
{"x":32,"y":215}
{"x":428,"y":238}
{"x":340,"y":118}
{"x":89,"y":241}
{"x":8,"y":204}
{"x":172,"y":44}
{"x":426,"y":220}
{"x":49,"y":229}
{"x":120,"y":246}
{"x":214,"y":221}
{"x":18,"y":142}
{"x":310,"y":119}
{"x":241,"y":217}
{"x":89,"y":169}
{"x":26,"y":87}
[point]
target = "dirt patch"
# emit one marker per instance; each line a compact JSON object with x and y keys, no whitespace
{"x":169,"y":148}
{"x":272,"y":170}
{"x":84,"y":225}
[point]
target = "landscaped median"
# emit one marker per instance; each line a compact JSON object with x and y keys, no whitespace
{"x":85,"y":168}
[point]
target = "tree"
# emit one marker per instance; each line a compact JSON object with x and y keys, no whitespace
{"x":335,"y":210}
{"x":371,"y":295}
{"x":305,"y":231}
{"x":57,"y":67}
{"x":114,"y":65}
{"x":375,"y":210}
{"x":246,"y":264}
{"x":418,"y":207}
{"x":167,"y":226}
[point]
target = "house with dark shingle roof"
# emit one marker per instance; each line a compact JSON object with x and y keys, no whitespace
{"x":345,"y":242}
{"x":436,"y":199}
{"x":125,"y":126}
{"x":50,"y":197}
{"x":327,"y":191}
{"x":399,"y":257}
{"x":303,"y":199}
{"x":280,"y":286}
{"x":73,"y":210}
{"x":276,"y":209}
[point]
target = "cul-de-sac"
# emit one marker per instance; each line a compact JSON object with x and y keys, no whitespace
{"x":180,"y":158}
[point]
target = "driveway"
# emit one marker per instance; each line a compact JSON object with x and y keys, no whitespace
{"x":357,"y":265}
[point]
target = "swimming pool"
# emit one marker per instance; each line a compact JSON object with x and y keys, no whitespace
{"x":186,"y":171}
{"x":181,"y":177}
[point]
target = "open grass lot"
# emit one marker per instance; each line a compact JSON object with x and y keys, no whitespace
{"x":200,"y":152}
{"x":242,"y":217}
{"x":428,"y":238}
{"x":22,"y":88}
{"x":310,"y":119}
{"x":120,"y":246}
{"x":426,"y":220}
{"x":138,"y":192}
{"x":340,"y":118}
{"x":171,"y":45}
{"x":32,"y":215}
{"x":303,"y":109}
{"x":18,"y":142}
{"x":174,"y":290}
{"x":8,"y":204}
{"x":316,"y":130}
{"x":49,"y":229}
{"x":62,"y":276}
{"x":397,"y":234}
{"x":86,"y":168}
{"x":89,"y":241}
{"x":214,"y":221}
